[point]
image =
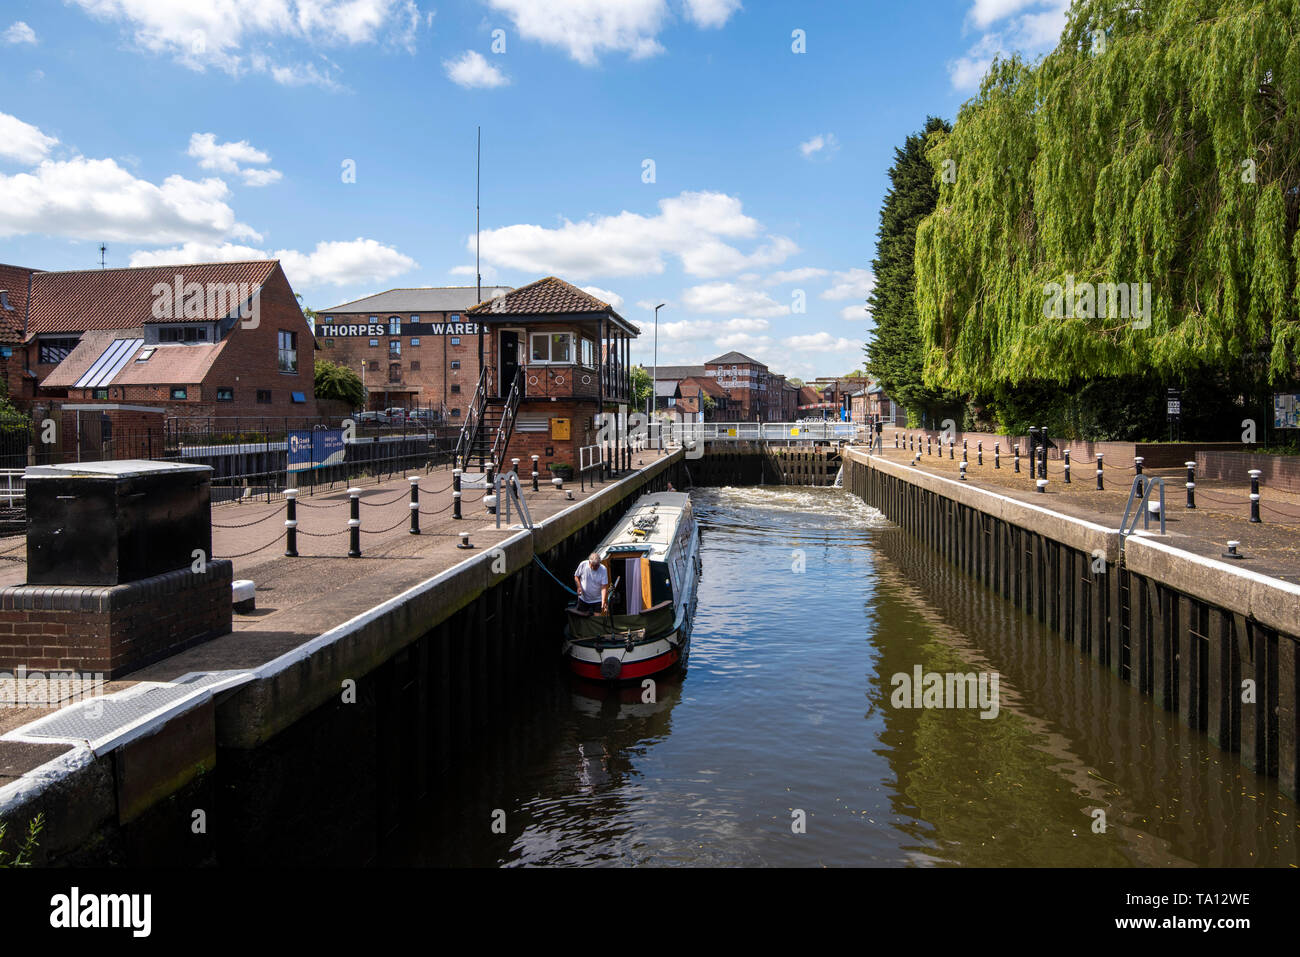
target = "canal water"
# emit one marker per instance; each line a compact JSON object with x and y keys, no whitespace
{"x":785,"y":743}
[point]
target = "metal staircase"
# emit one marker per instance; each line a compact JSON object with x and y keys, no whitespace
{"x":480,"y":443}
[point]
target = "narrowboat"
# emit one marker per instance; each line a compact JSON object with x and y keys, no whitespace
{"x":653,"y":560}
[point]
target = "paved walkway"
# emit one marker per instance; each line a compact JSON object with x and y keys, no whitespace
{"x":301,"y":598}
{"x":1222,"y":510}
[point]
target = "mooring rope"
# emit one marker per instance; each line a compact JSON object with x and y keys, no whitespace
{"x":542,"y":566}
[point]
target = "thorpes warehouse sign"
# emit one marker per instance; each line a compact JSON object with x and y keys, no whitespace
{"x":401,"y":329}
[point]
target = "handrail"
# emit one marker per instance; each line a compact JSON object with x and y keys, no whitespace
{"x":473,"y":420}
{"x":507,"y":427}
{"x":507,"y":489}
{"x":1143,"y":484}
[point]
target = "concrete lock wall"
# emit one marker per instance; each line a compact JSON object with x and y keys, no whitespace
{"x":283,"y":768}
{"x":1186,"y":631}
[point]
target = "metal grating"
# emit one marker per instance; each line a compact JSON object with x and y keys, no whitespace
{"x":84,"y":721}
{"x":109,"y":364}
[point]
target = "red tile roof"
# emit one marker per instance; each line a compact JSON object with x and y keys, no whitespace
{"x":123,"y":298}
{"x":545,"y":296}
{"x":13,"y":279}
{"x":170,"y":364}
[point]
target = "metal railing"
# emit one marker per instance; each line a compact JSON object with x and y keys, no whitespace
{"x":688,"y":433}
{"x":1142,"y":486}
{"x":473,"y":421}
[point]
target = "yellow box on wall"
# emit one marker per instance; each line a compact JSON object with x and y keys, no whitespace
{"x":560,"y":428}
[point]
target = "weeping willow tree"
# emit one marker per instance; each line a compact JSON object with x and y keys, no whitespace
{"x":1158,"y":147}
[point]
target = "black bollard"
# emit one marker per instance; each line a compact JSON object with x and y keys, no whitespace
{"x":1016,"y":450}
{"x":979,"y":453}
{"x":534,"y":473}
{"x":291,"y":523}
{"x":997,"y":455}
{"x":1100,"y":466}
{"x":1137,"y":464}
{"x":1254,"y":494}
{"x":1042,"y":459}
{"x":1191,"y":484}
{"x":1066,"y":454}
{"x":415,"y":504}
{"x":950,"y":450}
{"x":455,"y":493}
{"x":354,"y":523}
{"x":962,"y":466}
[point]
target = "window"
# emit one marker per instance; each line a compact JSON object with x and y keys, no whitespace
{"x":183,"y":334}
{"x":374,"y":365}
{"x":145,"y":354}
{"x":178,"y":392}
{"x":455,"y":390}
{"x":101,"y":393}
{"x":394,"y":325}
{"x":394,"y":348}
{"x":415,"y":366}
{"x":455,"y":340}
{"x":589,"y":353}
{"x":553,"y":347}
{"x":374,"y":320}
{"x":374,"y":343}
{"x":394,"y":372}
{"x":415,"y":320}
{"x":55,"y":350}
{"x":329,"y":343}
{"x":455,"y":363}
{"x":415,"y":343}
{"x":455,"y":413}
{"x":288,"y":352}
{"x":263,"y":396}
{"x":225,"y":394}
{"x":298,"y":397}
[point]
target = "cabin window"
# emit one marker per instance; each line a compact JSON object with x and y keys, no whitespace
{"x":555,"y":347}
{"x":661,"y":586}
{"x":589,"y":353}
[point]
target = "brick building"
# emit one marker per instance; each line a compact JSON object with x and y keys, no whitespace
{"x":205,"y":339}
{"x":757,"y":393}
{"x":412,"y":347}
{"x":556,"y":357}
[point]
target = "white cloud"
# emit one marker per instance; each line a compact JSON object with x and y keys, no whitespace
{"x":604,"y":295}
{"x":200,"y":35}
{"x":586,"y":29}
{"x":690,"y":226}
{"x":711,"y":13}
{"x":19,"y":32}
{"x":855,"y":313}
{"x":821,"y":342}
{"x":817,"y":144}
{"x":97,"y":199}
{"x":691,"y":330}
{"x":795,"y":275}
{"x":231,"y":158}
{"x":1031,"y":33}
{"x":729,"y":297}
{"x":332,"y":263}
{"x":850,"y":284}
{"x":472,"y":71}
{"x":22,"y":141}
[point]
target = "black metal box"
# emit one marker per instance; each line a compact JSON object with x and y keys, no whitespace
{"x":109,"y":523}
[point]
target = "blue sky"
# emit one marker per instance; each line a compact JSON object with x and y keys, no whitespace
{"x":338,"y":135}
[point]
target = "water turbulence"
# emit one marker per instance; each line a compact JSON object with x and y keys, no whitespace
{"x":820,"y":721}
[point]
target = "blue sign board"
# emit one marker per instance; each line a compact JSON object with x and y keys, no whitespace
{"x":315,"y":449}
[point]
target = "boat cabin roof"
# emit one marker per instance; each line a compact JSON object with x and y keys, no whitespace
{"x":664,"y":508}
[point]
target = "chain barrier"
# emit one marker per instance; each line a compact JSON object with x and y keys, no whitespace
{"x":231,"y":558}
{"x":256,"y":521}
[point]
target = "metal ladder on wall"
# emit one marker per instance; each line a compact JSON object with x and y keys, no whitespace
{"x":507,"y":490}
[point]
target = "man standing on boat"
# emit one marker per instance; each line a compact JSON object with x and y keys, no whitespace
{"x":592,"y":580}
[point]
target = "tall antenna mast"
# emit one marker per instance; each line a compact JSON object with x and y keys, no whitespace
{"x":478,"y":276}
{"x":103,"y":249}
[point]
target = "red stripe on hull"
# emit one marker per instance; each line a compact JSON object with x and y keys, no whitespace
{"x":634,"y":669}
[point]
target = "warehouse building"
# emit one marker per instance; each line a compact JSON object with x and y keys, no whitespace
{"x":413,"y":348}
